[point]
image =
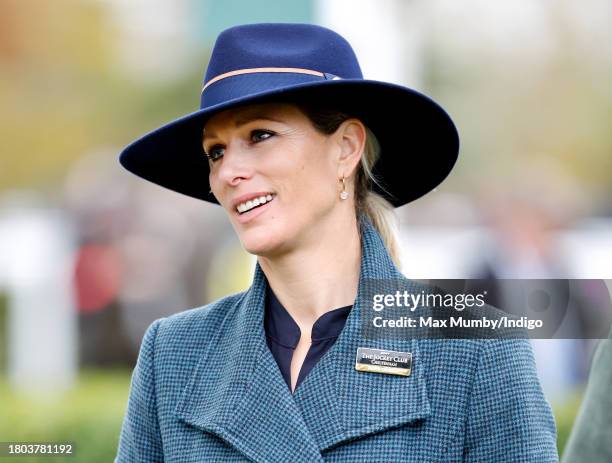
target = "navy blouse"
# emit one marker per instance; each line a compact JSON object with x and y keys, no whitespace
{"x":283,"y":334}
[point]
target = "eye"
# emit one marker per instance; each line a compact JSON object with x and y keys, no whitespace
{"x":215,"y":153}
{"x":260,"y":135}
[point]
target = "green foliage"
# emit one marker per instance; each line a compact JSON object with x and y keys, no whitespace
{"x":65,"y":92}
{"x":89,"y":416}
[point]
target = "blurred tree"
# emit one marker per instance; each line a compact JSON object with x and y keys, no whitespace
{"x":63,"y":93}
{"x":548,"y":97}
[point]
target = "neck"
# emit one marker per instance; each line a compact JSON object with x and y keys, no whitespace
{"x":320,"y":275}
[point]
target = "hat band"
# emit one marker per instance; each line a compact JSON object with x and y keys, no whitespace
{"x":257,"y":70}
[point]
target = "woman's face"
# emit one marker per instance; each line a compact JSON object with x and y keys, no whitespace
{"x":272,"y":152}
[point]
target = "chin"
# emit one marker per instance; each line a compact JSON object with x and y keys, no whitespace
{"x":259,"y":242}
{"x":269,"y":237}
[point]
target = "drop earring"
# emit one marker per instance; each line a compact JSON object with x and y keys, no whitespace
{"x":343,"y":193}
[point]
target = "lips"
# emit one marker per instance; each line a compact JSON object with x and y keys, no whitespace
{"x":249,"y":197}
{"x":245,"y":207}
{"x":254,"y":212}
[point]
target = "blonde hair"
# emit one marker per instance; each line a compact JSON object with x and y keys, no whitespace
{"x":380,"y":211}
{"x":376,"y":208}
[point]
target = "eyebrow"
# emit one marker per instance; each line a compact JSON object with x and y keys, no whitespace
{"x":245,"y":120}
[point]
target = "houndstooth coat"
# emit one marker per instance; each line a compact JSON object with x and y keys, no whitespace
{"x":206,"y":388}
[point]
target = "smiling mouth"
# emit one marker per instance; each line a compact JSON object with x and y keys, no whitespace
{"x":256,"y":206}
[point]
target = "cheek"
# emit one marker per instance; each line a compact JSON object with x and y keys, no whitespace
{"x":212,"y":180}
{"x":312,"y":177}
{"x":311,"y":189}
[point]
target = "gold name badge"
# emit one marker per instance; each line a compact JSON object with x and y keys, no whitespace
{"x":390,"y":362}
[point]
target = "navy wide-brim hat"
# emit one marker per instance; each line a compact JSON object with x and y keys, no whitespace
{"x":256,"y":63}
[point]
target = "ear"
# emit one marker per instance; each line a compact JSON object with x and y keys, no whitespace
{"x":351,"y":137}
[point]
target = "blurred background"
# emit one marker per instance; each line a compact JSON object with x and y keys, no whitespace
{"x":90,"y":255}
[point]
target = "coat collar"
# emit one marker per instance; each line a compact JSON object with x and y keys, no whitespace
{"x":237,"y":391}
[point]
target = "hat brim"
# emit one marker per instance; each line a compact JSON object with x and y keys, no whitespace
{"x":419,"y":141}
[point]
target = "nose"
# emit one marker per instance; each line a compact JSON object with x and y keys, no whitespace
{"x":234,"y":165}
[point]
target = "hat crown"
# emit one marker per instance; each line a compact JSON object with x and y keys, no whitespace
{"x":289,"y":45}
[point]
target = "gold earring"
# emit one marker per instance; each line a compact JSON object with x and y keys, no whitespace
{"x":343,"y":193}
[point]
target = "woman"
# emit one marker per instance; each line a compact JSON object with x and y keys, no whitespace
{"x":308,"y":159}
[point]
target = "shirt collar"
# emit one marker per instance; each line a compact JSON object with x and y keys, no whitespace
{"x":280,"y":326}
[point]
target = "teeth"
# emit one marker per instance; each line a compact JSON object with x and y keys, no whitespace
{"x":243,"y":207}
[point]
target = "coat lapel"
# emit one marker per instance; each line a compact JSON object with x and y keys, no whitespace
{"x":339,"y":403}
{"x":237,"y":391}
